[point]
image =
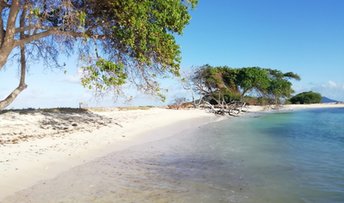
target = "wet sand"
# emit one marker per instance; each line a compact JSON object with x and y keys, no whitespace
{"x":167,"y":170}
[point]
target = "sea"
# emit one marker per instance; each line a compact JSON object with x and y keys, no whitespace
{"x":285,"y":157}
{"x":276,"y":157}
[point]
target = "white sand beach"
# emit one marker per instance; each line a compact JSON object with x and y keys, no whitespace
{"x":37,"y":145}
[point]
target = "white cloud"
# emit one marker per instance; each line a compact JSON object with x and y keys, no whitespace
{"x":331,"y":89}
{"x":333,"y":85}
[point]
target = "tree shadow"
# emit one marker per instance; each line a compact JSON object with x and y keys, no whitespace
{"x":55,"y":122}
{"x":68,"y":118}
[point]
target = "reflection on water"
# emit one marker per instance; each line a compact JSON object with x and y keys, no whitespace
{"x":279,"y":158}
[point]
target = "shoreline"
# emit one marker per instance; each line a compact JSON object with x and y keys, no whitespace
{"x":30,"y":161}
{"x":293,"y":107}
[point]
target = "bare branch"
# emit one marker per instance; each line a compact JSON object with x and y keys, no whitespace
{"x":36,"y":37}
{"x":10,"y":28}
{"x":54,"y":31}
{"x":28,"y":28}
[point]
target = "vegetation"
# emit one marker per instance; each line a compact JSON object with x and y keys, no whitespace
{"x":118,"y":41}
{"x":227,"y":85}
{"x":306,"y":98}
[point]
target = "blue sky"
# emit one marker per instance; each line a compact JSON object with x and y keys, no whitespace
{"x":303,"y":36}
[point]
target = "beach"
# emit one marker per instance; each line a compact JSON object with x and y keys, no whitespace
{"x":39,"y":145}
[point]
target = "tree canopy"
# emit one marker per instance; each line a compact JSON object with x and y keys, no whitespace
{"x":306,"y":98}
{"x":118,"y":41}
{"x":233,"y":84}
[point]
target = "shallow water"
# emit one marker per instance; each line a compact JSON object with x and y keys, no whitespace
{"x":295,"y":156}
{"x":278,"y":158}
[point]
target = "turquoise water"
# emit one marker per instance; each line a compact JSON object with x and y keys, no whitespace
{"x":293,"y":157}
{"x":278,"y":158}
{"x":290,"y":157}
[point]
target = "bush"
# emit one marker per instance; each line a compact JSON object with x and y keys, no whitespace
{"x":306,"y":98}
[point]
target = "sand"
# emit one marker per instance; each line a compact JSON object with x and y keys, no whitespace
{"x":40,"y":144}
{"x":37,"y":145}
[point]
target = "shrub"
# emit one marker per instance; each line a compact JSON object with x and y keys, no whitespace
{"x":306,"y":98}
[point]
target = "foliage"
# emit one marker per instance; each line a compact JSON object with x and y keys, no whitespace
{"x":103,"y":74}
{"x":306,"y":98}
{"x":140,"y":35}
{"x":280,"y":85}
{"x":118,"y":41}
{"x":216,"y":83}
{"x":252,"y":78}
{"x":251,"y":100}
{"x":227,"y":84}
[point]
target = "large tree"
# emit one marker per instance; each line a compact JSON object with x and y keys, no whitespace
{"x":229,"y":84}
{"x":252,"y":79}
{"x":280,"y":86}
{"x":216,"y":83}
{"x":118,"y":40}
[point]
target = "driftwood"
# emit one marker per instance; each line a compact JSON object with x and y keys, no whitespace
{"x":222,"y":108}
{"x":232,"y":109}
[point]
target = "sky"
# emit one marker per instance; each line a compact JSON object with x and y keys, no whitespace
{"x":302,"y":36}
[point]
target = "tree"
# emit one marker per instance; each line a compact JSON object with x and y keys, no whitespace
{"x":280,"y":85}
{"x":252,"y":78}
{"x":118,"y":41}
{"x":306,"y":98}
{"x":233,"y":84}
{"x":216,"y":83}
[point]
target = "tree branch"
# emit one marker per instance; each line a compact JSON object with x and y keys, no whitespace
{"x":36,"y":37}
{"x":22,"y":50}
{"x":27,"y":28}
{"x":2,"y":30}
{"x":21,"y":86}
{"x":53,"y":31}
{"x":11,"y":20}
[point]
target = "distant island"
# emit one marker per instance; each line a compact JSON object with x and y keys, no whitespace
{"x":328,"y":100}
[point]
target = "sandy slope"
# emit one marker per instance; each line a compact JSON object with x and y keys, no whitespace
{"x":37,"y":145}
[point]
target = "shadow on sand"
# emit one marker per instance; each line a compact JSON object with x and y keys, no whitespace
{"x":57,"y":121}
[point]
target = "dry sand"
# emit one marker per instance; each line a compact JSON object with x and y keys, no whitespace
{"x":37,"y":145}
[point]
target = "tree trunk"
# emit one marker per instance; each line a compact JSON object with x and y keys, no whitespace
{"x":22,"y":86}
{"x":4,"y":53}
{"x":242,"y":95}
{"x":10,"y":98}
